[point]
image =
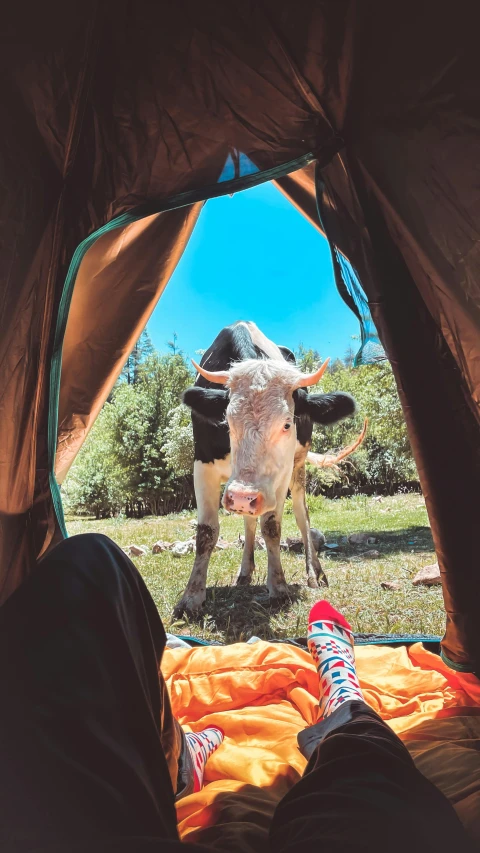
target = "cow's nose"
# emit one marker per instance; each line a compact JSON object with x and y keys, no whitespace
{"x":249,"y":502}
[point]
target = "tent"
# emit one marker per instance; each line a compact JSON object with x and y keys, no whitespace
{"x":120,"y":120}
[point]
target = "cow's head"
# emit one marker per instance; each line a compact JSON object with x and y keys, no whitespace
{"x":260,"y":401}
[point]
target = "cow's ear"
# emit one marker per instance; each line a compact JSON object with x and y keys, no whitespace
{"x":287,"y":354}
{"x":209,"y":404}
{"x":324,"y":408}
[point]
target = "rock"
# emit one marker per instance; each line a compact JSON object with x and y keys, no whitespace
{"x":357,"y":539}
{"x":371,"y":555}
{"x":179,"y":549}
{"x":222,"y":544}
{"x":428,"y":576}
{"x":295,"y":545}
{"x":259,"y":543}
{"x":378,"y":499}
{"x":392,"y":585}
{"x":136,"y":550}
{"x":161,"y":546}
{"x":362,"y":539}
{"x":318,"y":539}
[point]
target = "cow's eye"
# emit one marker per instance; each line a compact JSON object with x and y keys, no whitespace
{"x":287,"y":427}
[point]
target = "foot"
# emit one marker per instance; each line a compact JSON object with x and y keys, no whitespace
{"x":201,"y":746}
{"x":316,"y":577}
{"x":330,"y":642}
{"x":279,"y":595}
{"x":321,"y":576}
{"x":190,"y":604}
{"x":244,"y":578}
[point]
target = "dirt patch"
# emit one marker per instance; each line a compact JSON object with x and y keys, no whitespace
{"x":243,"y":611}
{"x":206,"y":538}
{"x":271,"y":528}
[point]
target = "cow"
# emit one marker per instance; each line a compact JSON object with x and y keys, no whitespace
{"x":252,"y":424}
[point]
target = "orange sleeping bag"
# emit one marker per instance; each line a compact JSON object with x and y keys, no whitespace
{"x":262,"y":694}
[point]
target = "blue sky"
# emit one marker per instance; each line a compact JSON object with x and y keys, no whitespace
{"x":254,"y":257}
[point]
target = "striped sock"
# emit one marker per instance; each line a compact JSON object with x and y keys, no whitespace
{"x":202,"y":745}
{"x":330,"y":642}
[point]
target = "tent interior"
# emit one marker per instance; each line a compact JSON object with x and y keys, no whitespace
{"x":118,"y":123}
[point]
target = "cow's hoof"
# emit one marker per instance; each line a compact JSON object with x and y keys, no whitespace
{"x":243,"y":580}
{"x":279,"y":596}
{"x":312,"y":582}
{"x":321,"y":577}
{"x":187,"y":607}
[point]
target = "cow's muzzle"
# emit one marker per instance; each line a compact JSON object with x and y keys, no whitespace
{"x":244,"y":501}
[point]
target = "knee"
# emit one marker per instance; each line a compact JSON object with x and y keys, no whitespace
{"x":271,"y":528}
{"x":80,"y":548}
{"x":89,"y":556}
{"x":206,"y":539}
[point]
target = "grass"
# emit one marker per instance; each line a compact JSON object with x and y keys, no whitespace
{"x":232,"y":614}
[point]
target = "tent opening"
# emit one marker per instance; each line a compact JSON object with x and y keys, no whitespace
{"x":249,"y":256}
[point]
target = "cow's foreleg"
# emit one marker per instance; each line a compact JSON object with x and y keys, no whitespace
{"x":207,"y":482}
{"x":271,"y":527}
{"x":315,"y":573}
{"x":247,"y":567}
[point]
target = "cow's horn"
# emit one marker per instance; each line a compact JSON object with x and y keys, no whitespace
{"x":218,"y":377}
{"x":312,"y":378}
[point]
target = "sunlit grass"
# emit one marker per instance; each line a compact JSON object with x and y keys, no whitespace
{"x":405,"y":545}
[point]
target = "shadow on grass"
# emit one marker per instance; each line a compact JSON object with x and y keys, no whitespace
{"x":243,"y":612}
{"x":408,"y":539}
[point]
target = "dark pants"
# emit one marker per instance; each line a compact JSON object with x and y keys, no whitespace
{"x":89,"y":749}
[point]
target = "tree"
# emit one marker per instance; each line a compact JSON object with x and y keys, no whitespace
{"x":349,"y":356}
{"x":178,"y":442}
{"x":142,"y":350}
{"x":96,"y":483}
{"x":336,"y":365}
{"x":385,"y":459}
{"x":307,"y":359}
{"x":142,"y":414}
{"x":172,"y":345}
{"x":122,"y":464}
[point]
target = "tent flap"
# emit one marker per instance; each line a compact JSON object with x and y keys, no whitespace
{"x":113,"y":109}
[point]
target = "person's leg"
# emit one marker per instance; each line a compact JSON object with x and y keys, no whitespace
{"x":88,"y":745}
{"x":361,"y":790}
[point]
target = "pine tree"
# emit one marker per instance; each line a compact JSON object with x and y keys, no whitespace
{"x":139,"y":354}
{"x":173,"y":346}
{"x":349,"y":357}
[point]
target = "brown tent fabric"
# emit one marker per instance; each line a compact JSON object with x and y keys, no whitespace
{"x":402,"y":202}
{"x":300,"y":188}
{"x":110,"y":108}
{"x":129,"y":266}
{"x":113,"y":113}
{"x":443,"y":430}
